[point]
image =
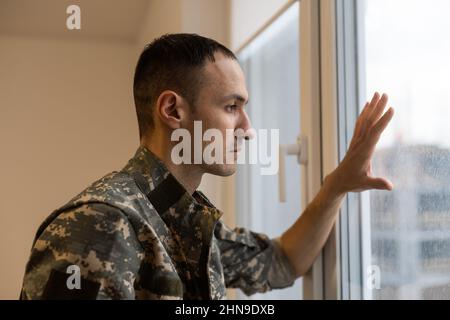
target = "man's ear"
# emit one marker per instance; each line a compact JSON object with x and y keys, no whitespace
{"x":170,"y":109}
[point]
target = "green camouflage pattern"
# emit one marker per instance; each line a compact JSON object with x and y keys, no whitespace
{"x":126,"y":249}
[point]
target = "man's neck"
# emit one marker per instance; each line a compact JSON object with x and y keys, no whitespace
{"x":188,"y":175}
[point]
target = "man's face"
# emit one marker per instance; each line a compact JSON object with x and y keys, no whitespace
{"x":220,"y":105}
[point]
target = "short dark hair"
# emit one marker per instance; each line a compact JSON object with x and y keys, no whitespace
{"x":171,"y":62}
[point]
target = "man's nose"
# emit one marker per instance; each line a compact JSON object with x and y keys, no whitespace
{"x":247,"y":126}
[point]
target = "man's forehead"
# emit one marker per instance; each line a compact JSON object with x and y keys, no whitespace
{"x":226,"y":79}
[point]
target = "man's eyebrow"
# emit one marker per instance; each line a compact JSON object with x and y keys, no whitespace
{"x":235,"y":96}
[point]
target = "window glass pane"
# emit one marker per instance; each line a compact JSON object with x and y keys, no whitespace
{"x":271,"y":65}
{"x":406,"y":50}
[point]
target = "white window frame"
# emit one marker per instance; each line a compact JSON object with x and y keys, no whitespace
{"x":348,"y":250}
{"x":310,"y":110}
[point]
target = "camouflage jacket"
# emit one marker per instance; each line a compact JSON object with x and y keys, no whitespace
{"x":137,"y":234}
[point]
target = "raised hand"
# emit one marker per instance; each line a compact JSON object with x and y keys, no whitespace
{"x":354,"y":173}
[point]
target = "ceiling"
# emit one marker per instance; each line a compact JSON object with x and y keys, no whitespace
{"x":100,"y":19}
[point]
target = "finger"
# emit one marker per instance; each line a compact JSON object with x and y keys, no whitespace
{"x":381,"y":125}
{"x":375,"y":98}
{"x":364,"y":125}
{"x":378,"y":110}
{"x":360,"y":120}
{"x":374,"y":101}
{"x":365,"y":111}
{"x":380,"y":184}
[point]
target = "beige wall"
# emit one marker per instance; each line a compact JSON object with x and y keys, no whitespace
{"x":210,"y":18}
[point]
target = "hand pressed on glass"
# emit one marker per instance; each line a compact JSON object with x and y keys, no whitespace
{"x":355,"y":171}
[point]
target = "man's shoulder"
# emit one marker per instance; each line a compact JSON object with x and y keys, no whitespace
{"x":112,"y":201}
{"x":115,"y":183}
{"x":113,"y":195}
{"x":117,"y":189}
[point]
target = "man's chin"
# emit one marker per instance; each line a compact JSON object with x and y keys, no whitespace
{"x":223,"y":170}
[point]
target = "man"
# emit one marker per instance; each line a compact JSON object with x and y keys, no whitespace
{"x":146,"y":233}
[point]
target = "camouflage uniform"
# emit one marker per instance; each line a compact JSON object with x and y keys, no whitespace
{"x":137,"y":234}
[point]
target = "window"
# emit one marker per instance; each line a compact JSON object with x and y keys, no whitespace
{"x":399,"y":47}
{"x":271,"y":65}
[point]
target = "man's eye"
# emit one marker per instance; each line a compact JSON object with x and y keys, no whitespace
{"x":231,"y":108}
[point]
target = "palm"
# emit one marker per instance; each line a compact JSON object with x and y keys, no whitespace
{"x":356,"y":167}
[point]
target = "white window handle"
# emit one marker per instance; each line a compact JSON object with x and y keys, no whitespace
{"x":299,"y":149}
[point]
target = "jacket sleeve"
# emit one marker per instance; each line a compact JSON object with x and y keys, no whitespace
{"x":90,"y":252}
{"x":251,"y":261}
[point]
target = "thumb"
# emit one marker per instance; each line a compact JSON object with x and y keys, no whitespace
{"x":380,"y":184}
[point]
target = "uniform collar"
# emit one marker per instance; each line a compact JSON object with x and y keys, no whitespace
{"x":190,"y":218}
